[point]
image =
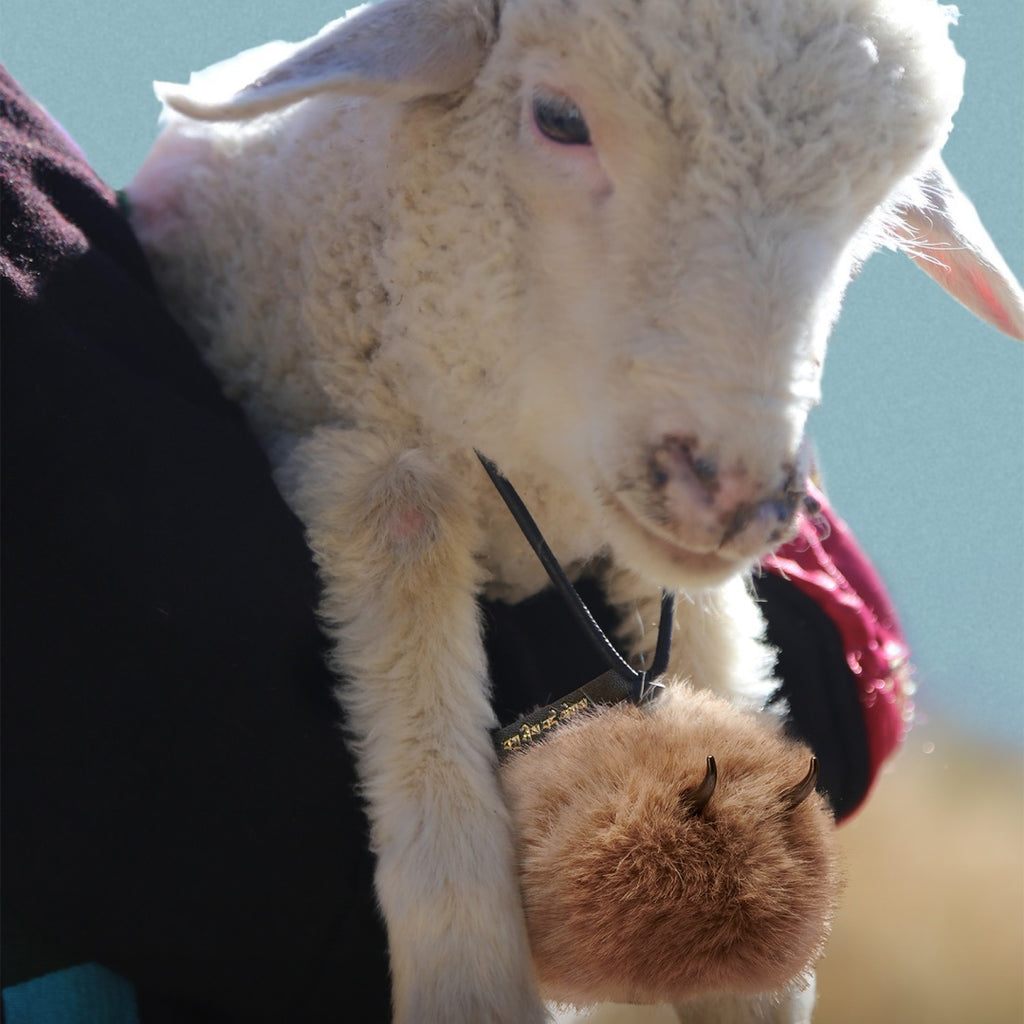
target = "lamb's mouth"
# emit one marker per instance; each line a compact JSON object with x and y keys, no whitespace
{"x":703,"y":563}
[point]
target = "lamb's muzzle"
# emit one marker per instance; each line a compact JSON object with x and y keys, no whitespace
{"x":711,"y":507}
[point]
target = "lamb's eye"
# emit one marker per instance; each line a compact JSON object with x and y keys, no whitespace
{"x":560,"y":120}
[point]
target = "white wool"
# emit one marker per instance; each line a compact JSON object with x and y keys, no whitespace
{"x":389,"y":265}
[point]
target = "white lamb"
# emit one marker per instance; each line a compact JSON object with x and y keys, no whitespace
{"x":602,"y":242}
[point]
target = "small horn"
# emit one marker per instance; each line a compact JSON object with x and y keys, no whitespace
{"x":697,"y":799}
{"x":802,"y":790}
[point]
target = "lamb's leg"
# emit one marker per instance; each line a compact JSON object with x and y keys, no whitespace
{"x":395,"y":545}
{"x":793,"y":1007}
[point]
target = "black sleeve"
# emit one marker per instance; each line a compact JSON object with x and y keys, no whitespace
{"x":177,"y":799}
{"x":821,"y":694}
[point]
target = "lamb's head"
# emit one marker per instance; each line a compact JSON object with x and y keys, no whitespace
{"x":697,"y":181}
{"x":620,"y":231}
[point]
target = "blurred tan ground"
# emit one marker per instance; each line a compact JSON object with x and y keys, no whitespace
{"x":931,"y":925}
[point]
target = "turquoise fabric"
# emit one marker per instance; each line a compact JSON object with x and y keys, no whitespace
{"x":85,"y":994}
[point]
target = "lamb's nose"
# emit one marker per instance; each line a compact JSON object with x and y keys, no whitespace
{"x":769,"y":517}
{"x":714,"y":504}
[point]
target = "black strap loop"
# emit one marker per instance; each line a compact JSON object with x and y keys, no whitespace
{"x":639,"y":685}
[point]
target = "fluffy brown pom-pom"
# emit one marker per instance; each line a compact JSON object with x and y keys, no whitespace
{"x":635,"y":893}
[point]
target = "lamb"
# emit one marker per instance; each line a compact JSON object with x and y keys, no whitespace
{"x":602,"y":243}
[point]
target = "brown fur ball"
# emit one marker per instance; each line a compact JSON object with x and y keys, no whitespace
{"x":634,"y":895}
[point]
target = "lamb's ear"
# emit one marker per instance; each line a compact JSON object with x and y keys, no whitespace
{"x":400,"y":49}
{"x":945,"y":237}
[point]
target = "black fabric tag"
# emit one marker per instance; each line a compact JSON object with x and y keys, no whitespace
{"x":609,"y":688}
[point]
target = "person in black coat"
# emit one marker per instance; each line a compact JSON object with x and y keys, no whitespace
{"x":178,"y":803}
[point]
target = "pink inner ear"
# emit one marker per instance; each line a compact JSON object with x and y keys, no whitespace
{"x":979,"y":284}
{"x":946,"y":239}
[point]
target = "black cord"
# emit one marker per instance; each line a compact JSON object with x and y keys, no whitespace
{"x":580,"y":611}
{"x":664,"y":647}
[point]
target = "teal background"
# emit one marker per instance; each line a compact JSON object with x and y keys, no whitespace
{"x":921,"y":434}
